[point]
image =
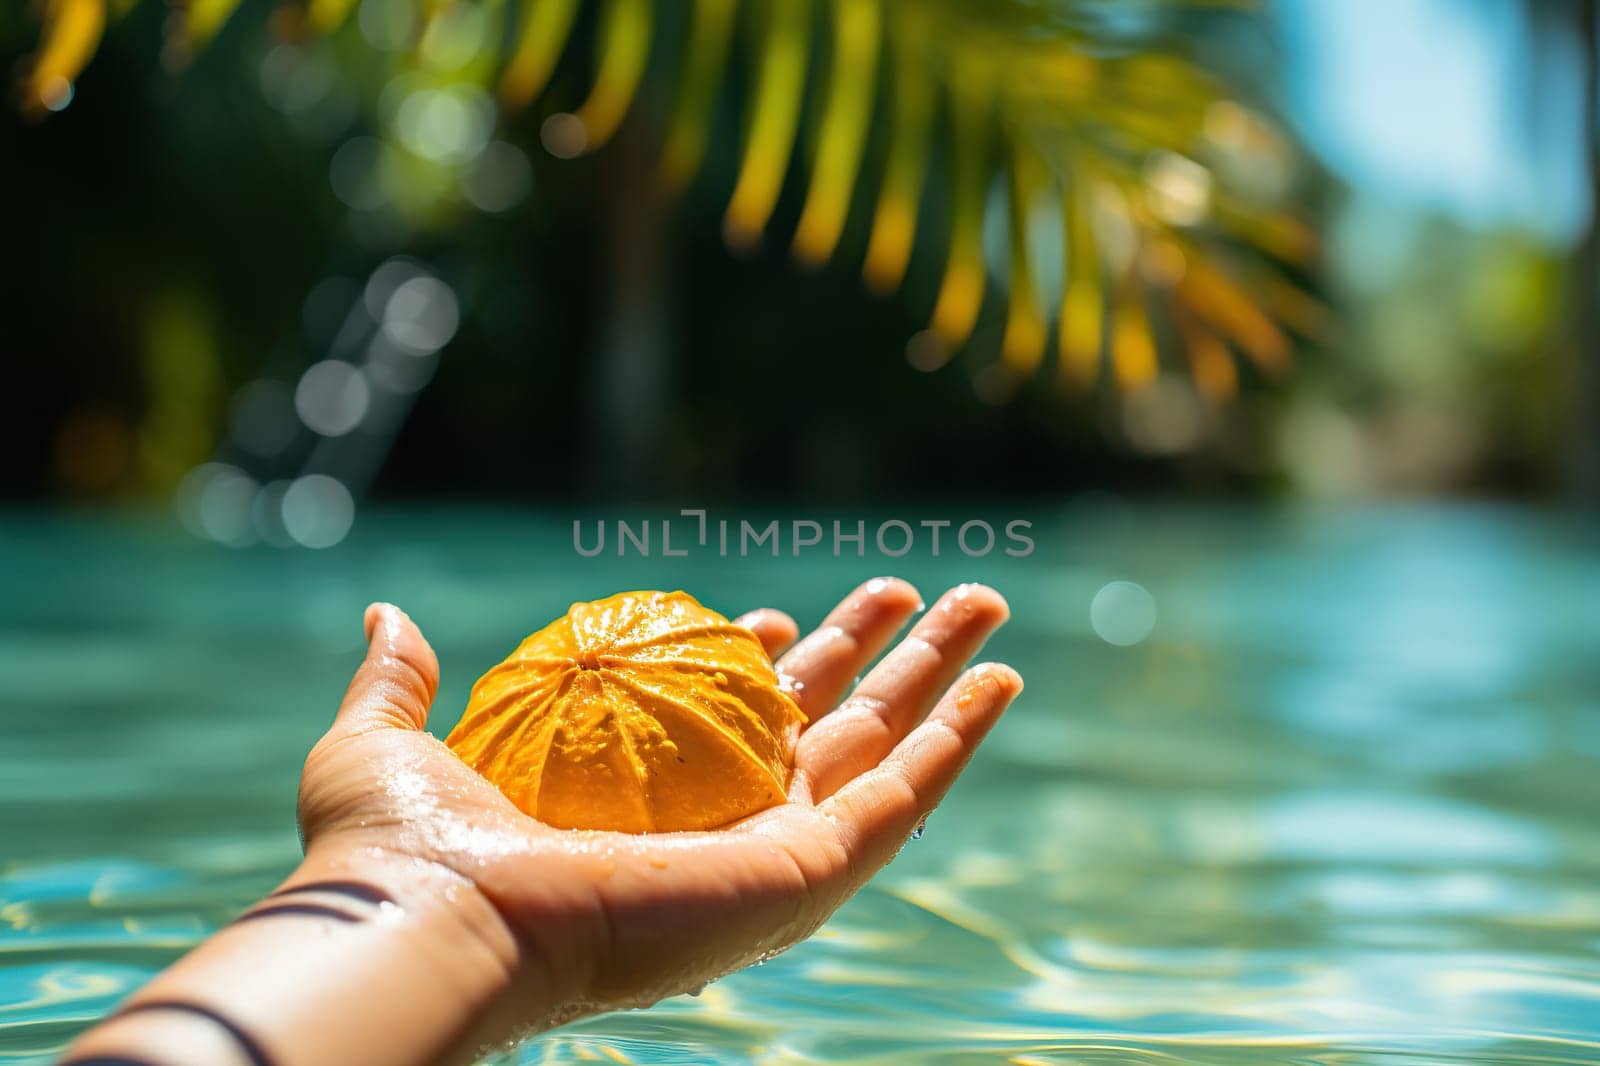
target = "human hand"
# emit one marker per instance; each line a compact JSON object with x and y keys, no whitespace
{"x":602,"y":920}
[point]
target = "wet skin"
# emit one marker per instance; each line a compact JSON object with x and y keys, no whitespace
{"x":480,"y":923}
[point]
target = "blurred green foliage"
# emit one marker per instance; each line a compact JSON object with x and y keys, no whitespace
{"x":1071,"y":186}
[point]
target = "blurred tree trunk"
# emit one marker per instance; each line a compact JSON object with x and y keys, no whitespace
{"x":631,"y":391}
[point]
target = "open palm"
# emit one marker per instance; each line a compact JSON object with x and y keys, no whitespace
{"x":606,"y":920}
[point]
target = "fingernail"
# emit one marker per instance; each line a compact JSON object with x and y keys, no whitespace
{"x":1002,"y":674}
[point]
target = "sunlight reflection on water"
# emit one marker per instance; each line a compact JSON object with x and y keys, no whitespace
{"x":1337,"y":806}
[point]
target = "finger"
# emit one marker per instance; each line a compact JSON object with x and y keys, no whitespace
{"x":878,"y":810}
{"x":774,"y":629}
{"x":825,"y":662}
{"x":899,"y":690}
{"x":395,"y":685}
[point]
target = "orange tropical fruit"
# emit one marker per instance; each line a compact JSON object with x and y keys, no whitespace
{"x":642,"y":712}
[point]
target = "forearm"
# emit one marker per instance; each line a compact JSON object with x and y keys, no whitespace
{"x":360,"y":956}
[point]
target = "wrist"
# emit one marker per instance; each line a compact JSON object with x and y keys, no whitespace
{"x":453,"y":935}
{"x":361,"y":955}
{"x":424,"y":902}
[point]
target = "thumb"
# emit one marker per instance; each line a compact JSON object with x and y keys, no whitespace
{"x":396,"y":683}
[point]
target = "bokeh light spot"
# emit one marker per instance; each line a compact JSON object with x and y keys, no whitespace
{"x":317,"y":511}
{"x":446,"y":125}
{"x":927,"y":351}
{"x":214,"y":501}
{"x":421,"y":315}
{"x":353,"y":173}
{"x":1165,"y":417}
{"x":267,"y":514}
{"x":1122,"y":613}
{"x":296,"y":80}
{"x":1180,"y":188}
{"x":499,"y":179}
{"x":56,"y":93}
{"x":564,"y":135}
{"x":456,"y":36}
{"x":332,"y":397}
{"x":388,"y":25}
{"x":994,"y":384}
{"x":389,"y":276}
{"x":92,"y":449}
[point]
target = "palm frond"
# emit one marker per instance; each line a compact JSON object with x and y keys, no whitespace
{"x":624,"y":47}
{"x":71,"y":35}
{"x":852,"y":84}
{"x":1170,"y":192}
{"x":773,"y":122}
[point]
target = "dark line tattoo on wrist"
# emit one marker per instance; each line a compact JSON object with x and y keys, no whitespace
{"x":358,"y":890}
{"x":106,"y":1060}
{"x":253,"y":1051}
{"x":285,"y":901}
{"x":308,"y":910}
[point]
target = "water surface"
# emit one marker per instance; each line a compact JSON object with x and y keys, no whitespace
{"x":1338,"y":807}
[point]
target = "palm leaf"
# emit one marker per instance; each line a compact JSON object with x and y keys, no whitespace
{"x":1152,"y":160}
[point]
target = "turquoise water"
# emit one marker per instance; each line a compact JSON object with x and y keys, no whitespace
{"x":1340,"y":805}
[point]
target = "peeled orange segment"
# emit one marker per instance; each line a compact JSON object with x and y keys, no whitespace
{"x":643,"y":712}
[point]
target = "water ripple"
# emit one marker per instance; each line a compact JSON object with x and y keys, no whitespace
{"x":1337,"y":808}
